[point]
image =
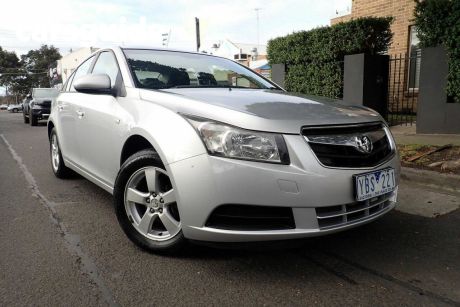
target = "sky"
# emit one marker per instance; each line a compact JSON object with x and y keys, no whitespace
{"x":72,"y":24}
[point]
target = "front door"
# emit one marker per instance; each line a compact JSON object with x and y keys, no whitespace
{"x":99,"y":125}
{"x":67,"y":117}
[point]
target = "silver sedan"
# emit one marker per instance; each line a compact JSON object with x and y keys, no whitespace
{"x":198,"y":147}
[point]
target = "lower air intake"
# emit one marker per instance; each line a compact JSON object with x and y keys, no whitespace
{"x":251,"y":218}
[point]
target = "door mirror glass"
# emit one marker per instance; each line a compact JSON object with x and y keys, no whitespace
{"x":93,"y":84}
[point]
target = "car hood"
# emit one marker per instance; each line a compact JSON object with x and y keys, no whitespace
{"x":264,"y":110}
{"x":44,"y":102}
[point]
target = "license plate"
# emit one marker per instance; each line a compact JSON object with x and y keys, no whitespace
{"x":375,"y":183}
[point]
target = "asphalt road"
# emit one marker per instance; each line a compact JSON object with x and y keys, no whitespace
{"x":60,"y":244}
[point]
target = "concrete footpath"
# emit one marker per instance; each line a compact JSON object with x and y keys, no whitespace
{"x":424,"y":192}
{"x":407,"y":135}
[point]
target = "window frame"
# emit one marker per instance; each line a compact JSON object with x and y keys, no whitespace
{"x":119,"y":78}
{"x":410,"y":62}
{"x":92,"y":58}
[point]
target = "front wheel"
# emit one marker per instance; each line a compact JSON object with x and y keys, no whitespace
{"x":145,"y":204}
{"x":26,"y":119}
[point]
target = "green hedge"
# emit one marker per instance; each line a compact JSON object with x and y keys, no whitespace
{"x":314,"y":58}
{"x":438,"y":24}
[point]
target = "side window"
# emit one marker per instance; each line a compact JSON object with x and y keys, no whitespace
{"x":81,"y":71}
{"x":107,"y":64}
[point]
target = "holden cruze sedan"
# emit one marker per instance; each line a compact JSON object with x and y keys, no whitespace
{"x":198,"y":147}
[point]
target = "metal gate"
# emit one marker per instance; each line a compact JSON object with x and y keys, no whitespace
{"x":404,"y":72}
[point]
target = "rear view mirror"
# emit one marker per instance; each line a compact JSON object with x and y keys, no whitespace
{"x":94,"y":84}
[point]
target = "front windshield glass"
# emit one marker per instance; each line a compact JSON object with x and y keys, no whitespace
{"x":158,"y":69}
{"x":45,"y":92}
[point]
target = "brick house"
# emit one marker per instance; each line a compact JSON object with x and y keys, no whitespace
{"x":404,"y":50}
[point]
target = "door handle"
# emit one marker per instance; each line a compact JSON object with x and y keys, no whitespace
{"x":80,"y":114}
{"x":60,"y":108}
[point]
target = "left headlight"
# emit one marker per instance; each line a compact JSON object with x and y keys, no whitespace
{"x":232,"y":142}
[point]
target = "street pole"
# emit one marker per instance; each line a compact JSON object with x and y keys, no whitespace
{"x":197,"y":28}
{"x":257,"y":9}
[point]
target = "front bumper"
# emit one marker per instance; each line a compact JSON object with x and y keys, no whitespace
{"x":205,"y":182}
{"x":42,"y":113}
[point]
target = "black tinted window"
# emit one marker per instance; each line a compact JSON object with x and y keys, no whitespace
{"x":107,"y":64}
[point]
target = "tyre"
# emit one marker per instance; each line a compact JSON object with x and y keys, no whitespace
{"x":26,"y":119}
{"x":145,"y":204}
{"x":57,"y":163}
{"x":33,"y":119}
{"x":15,"y":110}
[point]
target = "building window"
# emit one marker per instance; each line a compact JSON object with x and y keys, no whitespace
{"x":414,"y":60}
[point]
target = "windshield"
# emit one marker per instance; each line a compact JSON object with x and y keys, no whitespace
{"x":45,"y":92}
{"x":157,"y":69}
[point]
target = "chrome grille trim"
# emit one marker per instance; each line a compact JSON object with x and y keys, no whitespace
{"x":342,"y":215}
{"x":337,"y":146}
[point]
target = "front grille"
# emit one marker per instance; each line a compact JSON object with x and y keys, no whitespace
{"x":338,"y":146}
{"x":249,"y":217}
{"x":44,"y":103}
{"x":341,"y":215}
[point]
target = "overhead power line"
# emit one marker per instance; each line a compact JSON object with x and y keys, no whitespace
{"x":22,"y":73}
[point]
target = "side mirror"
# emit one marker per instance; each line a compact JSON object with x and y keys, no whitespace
{"x":94,"y":84}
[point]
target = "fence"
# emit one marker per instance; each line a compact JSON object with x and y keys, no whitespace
{"x":404,"y":72}
{"x":399,"y":94}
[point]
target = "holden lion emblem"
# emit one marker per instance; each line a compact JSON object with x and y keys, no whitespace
{"x":363,"y":144}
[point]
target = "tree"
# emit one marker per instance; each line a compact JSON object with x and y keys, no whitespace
{"x":9,"y":66}
{"x":37,"y":63}
{"x":438,"y":24}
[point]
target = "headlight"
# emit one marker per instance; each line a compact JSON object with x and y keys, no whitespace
{"x":232,"y":142}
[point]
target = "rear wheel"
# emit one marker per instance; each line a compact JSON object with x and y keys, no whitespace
{"x":33,"y":119}
{"x":57,"y":163}
{"x":145,"y":204}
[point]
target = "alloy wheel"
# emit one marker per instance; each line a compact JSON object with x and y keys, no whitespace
{"x":150,"y":203}
{"x":55,"y":153}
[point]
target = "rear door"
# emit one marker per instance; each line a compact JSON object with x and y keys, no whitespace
{"x":98,"y":124}
{"x":66,"y":104}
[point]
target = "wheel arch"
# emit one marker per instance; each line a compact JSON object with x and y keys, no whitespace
{"x":134,"y":143}
{"x":50,"y":128}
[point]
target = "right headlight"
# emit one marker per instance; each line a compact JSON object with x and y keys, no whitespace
{"x":232,"y":142}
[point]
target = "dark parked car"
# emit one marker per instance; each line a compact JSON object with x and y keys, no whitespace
{"x":38,"y":105}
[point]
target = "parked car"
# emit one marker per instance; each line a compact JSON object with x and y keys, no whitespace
{"x":198,"y":147}
{"x":39,"y":105}
{"x":3,"y":106}
{"x":14,"y":108}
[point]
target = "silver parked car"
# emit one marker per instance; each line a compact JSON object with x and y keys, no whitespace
{"x":198,"y":147}
{"x":14,"y":108}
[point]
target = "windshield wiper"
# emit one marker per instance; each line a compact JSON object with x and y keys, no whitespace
{"x":210,"y":86}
